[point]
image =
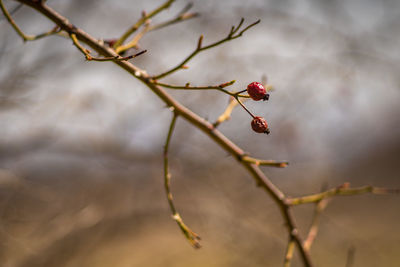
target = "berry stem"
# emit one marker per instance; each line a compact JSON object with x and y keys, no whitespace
{"x":241,"y":91}
{"x":243,"y":106}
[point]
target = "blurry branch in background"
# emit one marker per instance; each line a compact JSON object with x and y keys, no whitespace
{"x":313,"y":231}
{"x":350,"y":256}
{"x":233,"y":34}
{"x":289,"y":253}
{"x":135,"y":40}
{"x":342,"y":190}
{"x":284,"y":203}
{"x":189,"y":234}
{"x":24,"y":36}
{"x":265,"y":162}
{"x":140,"y":22}
{"x":226,"y":115}
{"x":183,"y":15}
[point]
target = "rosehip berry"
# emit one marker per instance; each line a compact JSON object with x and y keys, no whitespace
{"x":257,"y":91}
{"x":260,"y":125}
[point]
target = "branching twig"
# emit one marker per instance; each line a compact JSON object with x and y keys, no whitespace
{"x":343,"y":190}
{"x":233,"y":34}
{"x":182,"y":15}
{"x":135,"y":40}
{"x":24,"y":36}
{"x":312,"y":233}
{"x":141,"y":21}
{"x":226,"y":115}
{"x":187,"y":86}
{"x":88,"y":57}
{"x":189,"y":234}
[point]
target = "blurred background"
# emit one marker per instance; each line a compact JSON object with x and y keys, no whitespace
{"x":81,"y":178}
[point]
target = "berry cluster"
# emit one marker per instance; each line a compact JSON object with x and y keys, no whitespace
{"x":257,"y":92}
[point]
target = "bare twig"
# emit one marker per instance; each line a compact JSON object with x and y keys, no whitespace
{"x":135,"y":40}
{"x":88,"y":57}
{"x":226,"y":115}
{"x":141,"y":21}
{"x":182,"y":16}
{"x":289,"y":253}
{"x":343,"y":190}
{"x":24,"y":36}
{"x":263,"y":162}
{"x":189,"y":234}
{"x":187,"y":86}
{"x":243,"y":106}
{"x":233,"y":34}
{"x":312,"y":233}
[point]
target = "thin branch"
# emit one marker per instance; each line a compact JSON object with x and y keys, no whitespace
{"x":189,"y":234}
{"x":243,"y":106}
{"x":226,"y":115}
{"x":289,"y":253}
{"x":312,"y":233}
{"x":182,"y":16}
{"x":263,"y":162}
{"x":24,"y":36}
{"x":343,"y":190}
{"x":135,"y":40}
{"x":232,"y":35}
{"x":88,"y":57}
{"x":141,"y":21}
{"x":187,"y":86}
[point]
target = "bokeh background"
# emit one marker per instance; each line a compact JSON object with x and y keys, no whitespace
{"x":81,"y":180}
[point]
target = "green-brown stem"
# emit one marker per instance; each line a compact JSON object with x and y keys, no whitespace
{"x":191,"y":236}
{"x":24,"y":36}
{"x":289,"y":253}
{"x":341,"y":191}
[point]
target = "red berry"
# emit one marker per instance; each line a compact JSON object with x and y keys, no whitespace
{"x":260,"y":125}
{"x":257,"y":91}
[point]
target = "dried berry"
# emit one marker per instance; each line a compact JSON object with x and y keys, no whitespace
{"x":257,"y":91}
{"x":260,"y":125}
